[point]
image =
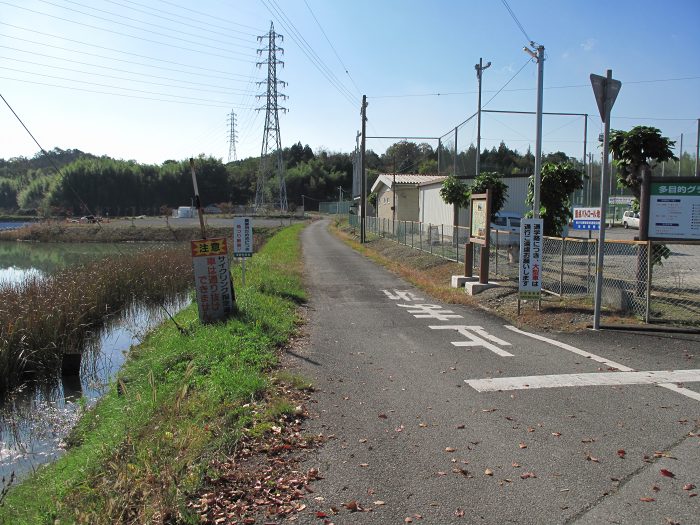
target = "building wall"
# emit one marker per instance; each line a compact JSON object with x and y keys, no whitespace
{"x":406,"y":203}
{"x":434,"y":210}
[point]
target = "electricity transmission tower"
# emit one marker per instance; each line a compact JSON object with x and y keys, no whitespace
{"x":271,"y":153}
{"x":232,"y":138}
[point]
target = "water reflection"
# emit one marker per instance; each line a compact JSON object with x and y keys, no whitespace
{"x":36,"y":420}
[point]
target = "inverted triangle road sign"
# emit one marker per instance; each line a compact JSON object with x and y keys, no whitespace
{"x":604,"y":89}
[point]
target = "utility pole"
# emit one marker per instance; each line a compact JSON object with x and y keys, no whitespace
{"x":479,"y":71}
{"x":232,"y":138}
{"x":340,"y":199}
{"x":363,"y":180}
{"x":271,"y":132}
{"x":537,"y":52}
{"x":680,"y":157}
{"x":697,"y":151}
{"x":454,"y":160}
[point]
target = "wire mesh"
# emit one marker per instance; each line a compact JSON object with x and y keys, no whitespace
{"x":656,"y":282}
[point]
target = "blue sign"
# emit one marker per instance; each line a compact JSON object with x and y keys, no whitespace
{"x":586,"y":218}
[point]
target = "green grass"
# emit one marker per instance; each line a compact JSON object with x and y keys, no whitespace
{"x":179,"y":401}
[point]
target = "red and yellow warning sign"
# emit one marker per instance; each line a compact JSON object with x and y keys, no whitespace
{"x":209,"y":247}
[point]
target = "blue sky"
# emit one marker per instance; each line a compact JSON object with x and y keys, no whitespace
{"x":152,"y":80}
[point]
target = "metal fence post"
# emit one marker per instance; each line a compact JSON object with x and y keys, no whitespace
{"x":561,"y":271}
{"x":430,"y":237}
{"x":442,"y":239}
{"x":649,"y":274}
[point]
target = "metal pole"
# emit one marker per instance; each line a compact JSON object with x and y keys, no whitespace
{"x":479,"y":71}
{"x":603,"y":210}
{"x":649,"y":270}
{"x":680,"y":157}
{"x":440,"y":151}
{"x":697,"y":151}
{"x":585,"y":145}
{"x":538,"y":138}
{"x":454,"y":160}
{"x":363,"y":180}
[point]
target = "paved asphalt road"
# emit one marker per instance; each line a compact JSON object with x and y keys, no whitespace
{"x":586,"y":445}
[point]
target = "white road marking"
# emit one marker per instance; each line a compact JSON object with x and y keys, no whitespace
{"x":477,"y":337}
{"x":681,"y":390}
{"x":660,"y":378}
{"x":430,"y":311}
{"x":402,"y":295}
{"x":573,"y":349}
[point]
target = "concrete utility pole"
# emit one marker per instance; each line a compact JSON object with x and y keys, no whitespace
{"x":479,"y":70}
{"x":537,"y":52}
{"x":697,"y":151}
{"x":680,"y":157}
{"x":363,"y":180}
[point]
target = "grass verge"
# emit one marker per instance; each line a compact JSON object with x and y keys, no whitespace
{"x":178,"y":404}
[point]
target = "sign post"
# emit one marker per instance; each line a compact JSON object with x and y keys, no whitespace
{"x":605,"y":90}
{"x":243,"y":241}
{"x":530,"y":278}
{"x":480,"y":230}
{"x":587,"y":218}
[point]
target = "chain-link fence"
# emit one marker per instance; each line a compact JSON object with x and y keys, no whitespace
{"x":648,"y":280}
{"x":335,"y":207}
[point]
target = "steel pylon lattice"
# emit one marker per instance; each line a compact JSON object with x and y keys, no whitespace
{"x":233,"y":137}
{"x":271,"y":162}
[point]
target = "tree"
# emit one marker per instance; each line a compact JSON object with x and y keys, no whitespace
{"x":455,"y":192}
{"x":636,"y":152}
{"x":559,"y":181}
{"x":499,"y":189}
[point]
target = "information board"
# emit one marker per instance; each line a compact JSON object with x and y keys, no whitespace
{"x":242,"y":237}
{"x":530,"y":283}
{"x":478,"y":222}
{"x":587,"y":218}
{"x":674,"y":211}
{"x":212,"y":279}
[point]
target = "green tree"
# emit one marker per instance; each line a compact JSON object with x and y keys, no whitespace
{"x":635,"y":152}
{"x":558,"y":182}
{"x":499,"y":189}
{"x":455,"y":192}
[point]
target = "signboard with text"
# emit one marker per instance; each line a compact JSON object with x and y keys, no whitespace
{"x":674,"y":210}
{"x":621,"y":200}
{"x":242,"y":237}
{"x":586,"y":218}
{"x":530,"y":279}
{"x":478,"y":218}
{"x":212,"y":279}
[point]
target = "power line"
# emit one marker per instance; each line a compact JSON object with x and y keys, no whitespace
{"x":150,"y":75}
{"x":515,"y":19}
{"x":207,"y":15}
{"x":221,"y":92}
{"x":304,"y":46}
{"x":105,"y":48}
{"x":180,"y":32}
{"x":136,"y":37}
{"x":359,"y":92}
{"x":216,"y":104}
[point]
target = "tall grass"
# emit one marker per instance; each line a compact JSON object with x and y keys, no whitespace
{"x":43,"y":318}
{"x":180,"y":401}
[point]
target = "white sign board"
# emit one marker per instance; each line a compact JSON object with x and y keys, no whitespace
{"x":674,"y":211}
{"x":621,"y":200}
{"x":242,"y":237}
{"x":587,"y":218}
{"x":530,"y":282}
{"x":212,"y":279}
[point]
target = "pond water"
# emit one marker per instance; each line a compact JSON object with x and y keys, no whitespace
{"x":35,"y":421}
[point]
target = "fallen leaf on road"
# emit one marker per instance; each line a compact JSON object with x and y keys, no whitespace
{"x":522,"y":445}
{"x":450,"y":449}
{"x":488,"y":472}
{"x":488,"y":410}
{"x":460,"y":427}
{"x":379,"y":503}
{"x":321,"y":514}
{"x":352,"y":506}
{"x":526,"y":475}
{"x":399,"y":428}
{"x":408,"y":520}
{"x":591,"y":458}
{"x":530,"y":429}
{"x":588,"y":440}
{"x":663,"y":455}
{"x":647,"y":500}
{"x":382,"y":416}
{"x":688,"y":486}
{"x":441,"y":473}
{"x":556,"y":434}
{"x":621,"y":453}
{"x":655,"y":488}
{"x":667,"y":473}
{"x":422,"y":425}
{"x":364,"y":465}
{"x":459,"y":513}
{"x":363,"y":440}
{"x":514,"y":464}
{"x":463,"y":471}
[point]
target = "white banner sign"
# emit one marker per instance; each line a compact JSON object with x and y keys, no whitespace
{"x":674,"y":211}
{"x":530,"y":282}
{"x":586,"y":218}
{"x":242,"y":237}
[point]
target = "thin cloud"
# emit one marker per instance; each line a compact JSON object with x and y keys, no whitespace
{"x":589,"y":44}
